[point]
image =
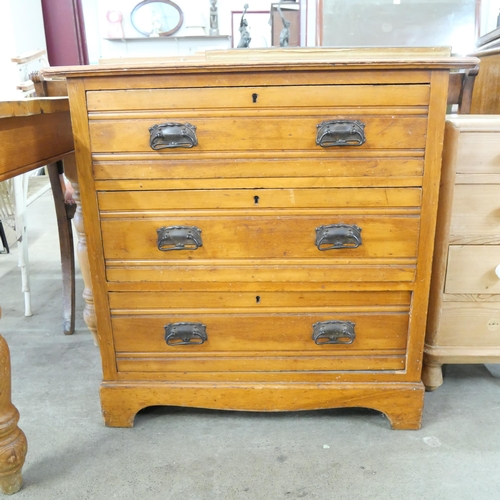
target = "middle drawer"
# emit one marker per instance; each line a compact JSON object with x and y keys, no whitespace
{"x":193,"y":237}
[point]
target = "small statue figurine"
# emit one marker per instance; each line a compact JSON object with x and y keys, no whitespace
{"x":214,"y":20}
{"x":245,"y":35}
{"x":285,"y":32}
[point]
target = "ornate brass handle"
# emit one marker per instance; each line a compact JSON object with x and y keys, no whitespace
{"x":179,"y":238}
{"x":333,"y":332}
{"x":337,"y":236}
{"x":185,"y":334}
{"x":340,"y":133}
{"x":172,"y":135}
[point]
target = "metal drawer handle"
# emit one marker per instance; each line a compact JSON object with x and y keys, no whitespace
{"x":337,"y":236}
{"x":340,"y":133}
{"x":185,"y":334}
{"x":172,"y":135}
{"x":333,"y":332}
{"x":179,"y":238}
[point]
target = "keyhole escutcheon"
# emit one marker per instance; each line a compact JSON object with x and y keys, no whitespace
{"x":256,"y":200}
{"x":254,"y":97}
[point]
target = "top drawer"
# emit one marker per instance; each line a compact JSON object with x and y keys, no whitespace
{"x":258,"y":97}
{"x":175,"y":134}
{"x":478,"y":153}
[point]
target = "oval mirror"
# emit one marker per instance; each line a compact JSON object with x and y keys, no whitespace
{"x":156,"y":17}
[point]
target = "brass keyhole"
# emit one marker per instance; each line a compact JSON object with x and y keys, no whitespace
{"x":257,"y":299}
{"x":256,"y":200}
{"x":254,"y":97}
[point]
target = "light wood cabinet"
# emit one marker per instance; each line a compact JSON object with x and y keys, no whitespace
{"x":278,"y":257}
{"x":464,"y":309}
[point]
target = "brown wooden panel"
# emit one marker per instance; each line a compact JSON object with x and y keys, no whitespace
{"x":239,"y":168}
{"x":271,"y":198}
{"x":256,"y":183}
{"x":267,"y":97}
{"x":475,"y":217}
{"x":261,"y":365}
{"x":334,"y":374}
{"x":259,"y":77}
{"x":27,"y":142}
{"x":263,"y":271}
{"x":244,"y":237}
{"x":149,"y":302}
{"x":259,"y":333}
{"x":255,"y":133}
{"x":471,"y":269}
{"x":485,"y":96}
{"x":259,"y":287}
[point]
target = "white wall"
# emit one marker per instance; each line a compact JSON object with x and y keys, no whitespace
{"x":196,"y":12}
{"x":96,"y":25}
{"x":21,"y":31}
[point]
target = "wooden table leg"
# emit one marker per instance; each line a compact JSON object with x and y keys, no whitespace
{"x":13,"y":445}
{"x":81,"y":249}
{"x":64,"y":214}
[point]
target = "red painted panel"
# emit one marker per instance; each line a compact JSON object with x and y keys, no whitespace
{"x":64,"y":32}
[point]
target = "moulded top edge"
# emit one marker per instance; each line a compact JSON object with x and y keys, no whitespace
{"x":475,"y":123}
{"x":292,"y":59}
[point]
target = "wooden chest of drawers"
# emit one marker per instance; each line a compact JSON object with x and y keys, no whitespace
{"x":464,"y":310}
{"x":261,"y":232}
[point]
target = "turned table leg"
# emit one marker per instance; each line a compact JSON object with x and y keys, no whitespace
{"x":13,"y":445}
{"x":81,"y":248}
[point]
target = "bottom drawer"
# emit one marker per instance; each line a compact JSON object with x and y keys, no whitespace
{"x":255,"y":342}
{"x":469,"y":324}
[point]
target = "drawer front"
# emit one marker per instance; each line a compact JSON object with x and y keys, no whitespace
{"x":282,"y":365}
{"x":246,"y":133}
{"x":478,"y":153}
{"x":282,"y":236}
{"x":474,"y":324}
{"x":471,"y":269}
{"x":269,"y":332}
{"x":255,"y":301}
{"x":262,"y":271}
{"x":258,"y":199}
{"x":262,"y":333}
{"x":343,"y":170}
{"x":258,"y":97}
{"x":475,"y":215}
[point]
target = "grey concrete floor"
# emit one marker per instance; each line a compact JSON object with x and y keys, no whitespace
{"x":177,"y":453}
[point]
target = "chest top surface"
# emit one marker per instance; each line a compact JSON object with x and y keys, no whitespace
{"x":290,"y":59}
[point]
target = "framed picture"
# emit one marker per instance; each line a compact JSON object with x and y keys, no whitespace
{"x":259,"y":28}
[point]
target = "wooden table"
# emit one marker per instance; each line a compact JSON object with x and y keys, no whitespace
{"x":33,"y":133}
